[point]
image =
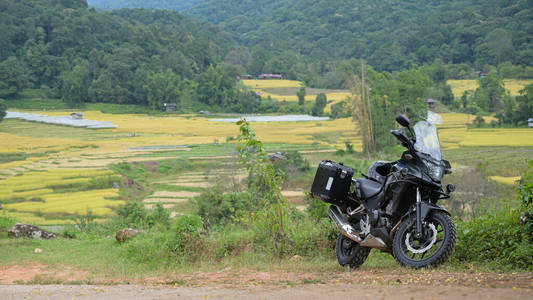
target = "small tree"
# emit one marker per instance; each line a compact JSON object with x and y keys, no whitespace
{"x":447,"y":97}
{"x":3,"y":109}
{"x":320,"y":103}
{"x":264,"y":184}
{"x":301,"y":95}
{"x":524,"y":110}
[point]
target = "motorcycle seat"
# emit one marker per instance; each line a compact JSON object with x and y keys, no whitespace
{"x":368,"y":188}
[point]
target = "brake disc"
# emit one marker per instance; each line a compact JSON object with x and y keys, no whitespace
{"x":429,"y":246}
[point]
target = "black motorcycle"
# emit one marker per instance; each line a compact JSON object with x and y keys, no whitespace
{"x":394,"y":207}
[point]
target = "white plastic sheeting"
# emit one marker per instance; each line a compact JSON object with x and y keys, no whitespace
{"x":60,"y":120}
{"x":286,"y":118}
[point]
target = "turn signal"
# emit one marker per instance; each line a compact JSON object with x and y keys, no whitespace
{"x":450,"y":188}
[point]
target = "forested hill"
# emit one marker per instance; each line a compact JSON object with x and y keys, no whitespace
{"x":155,"y":4}
{"x":79,"y":54}
{"x":389,"y":34}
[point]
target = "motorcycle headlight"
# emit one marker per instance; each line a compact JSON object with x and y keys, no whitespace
{"x":435,"y":171}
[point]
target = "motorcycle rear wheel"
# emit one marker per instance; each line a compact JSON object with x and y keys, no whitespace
{"x":433,"y":248}
{"x":350,"y":253}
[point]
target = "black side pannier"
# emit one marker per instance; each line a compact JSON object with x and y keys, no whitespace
{"x":332,"y":182}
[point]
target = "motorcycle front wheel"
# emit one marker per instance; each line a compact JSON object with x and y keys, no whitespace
{"x":431,"y":248}
{"x":350,"y":253}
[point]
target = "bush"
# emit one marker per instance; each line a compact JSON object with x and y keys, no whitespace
{"x":217,"y":207}
{"x":504,"y":239}
{"x":184,"y":242}
{"x":86,"y":223}
{"x":133,"y":214}
{"x":291,"y":167}
{"x":6,"y":222}
{"x":316,"y":208}
{"x":499,"y":240}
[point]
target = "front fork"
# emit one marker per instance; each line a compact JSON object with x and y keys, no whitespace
{"x":418,"y":213}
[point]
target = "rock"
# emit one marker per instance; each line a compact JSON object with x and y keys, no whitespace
{"x":526,"y":218}
{"x":29,"y":231}
{"x":126,"y":234}
{"x":38,"y":250}
{"x":276,"y":156}
{"x":295,"y":258}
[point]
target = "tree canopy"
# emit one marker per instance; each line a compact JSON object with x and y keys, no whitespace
{"x":127,"y":56}
{"x":390,"y":34}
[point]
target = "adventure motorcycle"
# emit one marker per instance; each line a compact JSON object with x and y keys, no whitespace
{"x":394,"y":207}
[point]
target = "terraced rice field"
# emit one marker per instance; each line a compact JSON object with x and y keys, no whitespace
{"x":285,"y":90}
{"x":65,"y":171}
{"x":460,"y":86}
{"x":56,"y":196}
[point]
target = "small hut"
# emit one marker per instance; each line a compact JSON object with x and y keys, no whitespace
{"x":170,"y":107}
{"x":76,"y":115}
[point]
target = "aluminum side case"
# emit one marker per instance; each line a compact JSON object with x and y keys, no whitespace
{"x":332,"y":182}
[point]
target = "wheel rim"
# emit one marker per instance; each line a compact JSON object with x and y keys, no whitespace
{"x":427,"y":245}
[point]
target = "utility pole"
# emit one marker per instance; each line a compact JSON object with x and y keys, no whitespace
{"x":371,"y":144}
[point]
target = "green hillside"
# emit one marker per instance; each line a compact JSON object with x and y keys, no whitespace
{"x":136,"y":56}
{"x":389,"y":34}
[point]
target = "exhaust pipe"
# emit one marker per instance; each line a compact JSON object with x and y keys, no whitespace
{"x":348,"y":231}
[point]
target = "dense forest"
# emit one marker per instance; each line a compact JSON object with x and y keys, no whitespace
{"x":390,"y":34}
{"x":148,"y":57}
{"x":309,"y":40}
{"x":155,"y":4}
{"x":131,"y":56}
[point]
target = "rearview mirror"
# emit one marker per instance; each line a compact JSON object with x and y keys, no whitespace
{"x":402,"y":120}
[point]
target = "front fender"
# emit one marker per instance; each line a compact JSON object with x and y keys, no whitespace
{"x":425,"y":209}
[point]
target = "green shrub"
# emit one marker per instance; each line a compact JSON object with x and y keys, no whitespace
{"x":316,"y":208}
{"x":310,"y":237}
{"x":293,"y":162}
{"x":503,"y":239}
{"x":6,"y":222}
{"x":217,"y":207}
{"x":231,"y":240}
{"x":86,"y":223}
{"x":133,"y":214}
{"x":183,"y":243}
{"x":499,"y":240}
{"x":186,"y":230}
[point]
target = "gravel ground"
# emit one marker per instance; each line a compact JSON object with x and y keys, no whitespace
{"x":309,"y":291}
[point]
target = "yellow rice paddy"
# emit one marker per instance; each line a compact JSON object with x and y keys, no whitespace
{"x":30,"y":196}
{"x":505,"y":180}
{"x":460,"y":86}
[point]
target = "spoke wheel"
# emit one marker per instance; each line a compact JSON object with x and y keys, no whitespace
{"x":432,"y":247}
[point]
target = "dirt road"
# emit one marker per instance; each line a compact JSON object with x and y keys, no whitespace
{"x":22,"y":282}
{"x":306,"y":291}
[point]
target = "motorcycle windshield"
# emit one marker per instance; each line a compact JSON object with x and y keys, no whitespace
{"x":427,"y":140}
